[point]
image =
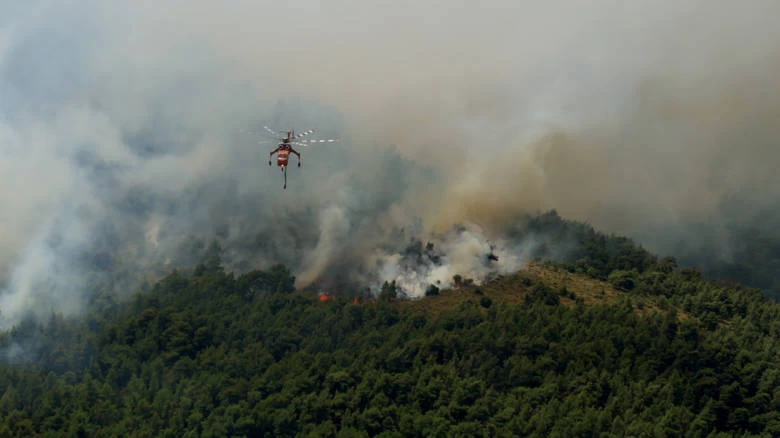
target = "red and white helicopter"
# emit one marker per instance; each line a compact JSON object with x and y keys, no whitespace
{"x":285,"y":147}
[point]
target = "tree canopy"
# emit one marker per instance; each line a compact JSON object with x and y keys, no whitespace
{"x":210,"y":353}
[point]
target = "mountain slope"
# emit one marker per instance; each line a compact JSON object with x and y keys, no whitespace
{"x":547,"y":281}
{"x":216,"y":355}
{"x":632,"y":346}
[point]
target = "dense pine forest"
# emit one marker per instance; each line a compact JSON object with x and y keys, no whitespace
{"x":607,"y":340}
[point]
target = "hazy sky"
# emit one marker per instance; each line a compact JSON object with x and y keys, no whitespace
{"x":120,"y":124}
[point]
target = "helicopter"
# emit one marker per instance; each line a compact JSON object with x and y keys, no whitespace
{"x":285,"y":147}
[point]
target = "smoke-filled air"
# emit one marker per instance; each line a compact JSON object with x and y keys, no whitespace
{"x":129,"y":133}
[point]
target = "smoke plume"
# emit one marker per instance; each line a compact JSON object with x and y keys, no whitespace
{"x":126,"y":133}
{"x":464,"y":252}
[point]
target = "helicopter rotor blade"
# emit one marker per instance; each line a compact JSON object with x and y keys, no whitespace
{"x":329,"y":140}
{"x":301,"y":134}
{"x":272,"y":132}
{"x":309,"y":143}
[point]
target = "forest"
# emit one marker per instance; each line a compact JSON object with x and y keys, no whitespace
{"x":609,"y":340}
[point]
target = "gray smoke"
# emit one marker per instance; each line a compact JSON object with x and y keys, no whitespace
{"x":121,"y":130}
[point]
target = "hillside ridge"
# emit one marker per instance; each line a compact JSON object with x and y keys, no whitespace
{"x":562,"y":286}
{"x":611,"y":341}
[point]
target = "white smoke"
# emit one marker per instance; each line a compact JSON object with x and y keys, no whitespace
{"x":465,"y":251}
{"x":334,"y":229}
{"x":49,"y":276}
